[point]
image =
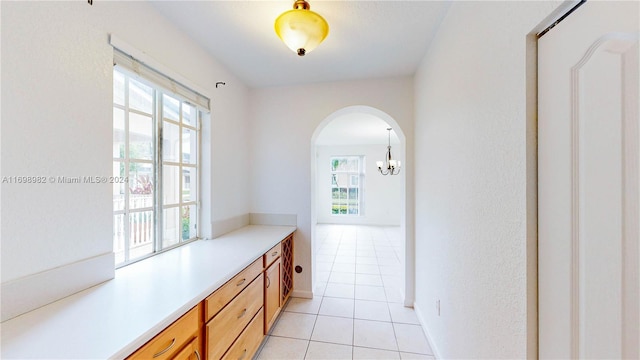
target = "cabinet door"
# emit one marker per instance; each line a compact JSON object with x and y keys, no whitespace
{"x":272,"y":294}
{"x":190,"y":352}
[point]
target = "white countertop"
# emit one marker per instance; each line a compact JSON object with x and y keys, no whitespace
{"x":115,"y":318}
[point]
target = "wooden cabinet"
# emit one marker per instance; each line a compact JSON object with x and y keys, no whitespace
{"x":190,"y":352}
{"x":278,"y":280}
{"x":234,"y":319}
{"x":221,"y":297}
{"x":249,"y":341}
{"x":171,"y":340}
{"x":272,"y":255}
{"x":286,"y":258}
{"x":272,"y":294}
{"x":228,"y":324}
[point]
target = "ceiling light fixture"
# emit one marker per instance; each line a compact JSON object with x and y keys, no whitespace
{"x":389,"y":166}
{"x":301,"y":29}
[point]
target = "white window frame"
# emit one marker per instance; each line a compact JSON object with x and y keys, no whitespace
{"x":157,"y":162}
{"x":359,"y":174}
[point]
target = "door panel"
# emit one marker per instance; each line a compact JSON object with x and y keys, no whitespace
{"x":589,"y":289}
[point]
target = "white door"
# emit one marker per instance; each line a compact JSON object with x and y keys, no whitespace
{"x":588,"y":161}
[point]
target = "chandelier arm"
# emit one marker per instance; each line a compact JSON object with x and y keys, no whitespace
{"x":389,"y":164}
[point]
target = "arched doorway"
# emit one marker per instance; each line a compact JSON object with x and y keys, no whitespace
{"x":365,"y":123}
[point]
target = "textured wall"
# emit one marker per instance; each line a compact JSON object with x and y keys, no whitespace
{"x":473,"y":182}
{"x":56,"y":120}
{"x":382,"y":194}
{"x":283,"y":121}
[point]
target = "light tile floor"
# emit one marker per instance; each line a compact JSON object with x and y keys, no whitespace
{"x":357,"y":311}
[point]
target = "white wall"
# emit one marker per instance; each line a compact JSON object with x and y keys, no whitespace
{"x":56,"y":121}
{"x":475,"y":182}
{"x":382,"y":194}
{"x":283,"y":120}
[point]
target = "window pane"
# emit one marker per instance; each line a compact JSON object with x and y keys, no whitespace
{"x":343,"y":193}
{"x":170,"y":142}
{"x":189,"y":184}
{"x":334,"y":164}
{"x":140,"y":233}
{"x":354,"y":180}
{"x":347,"y":164}
{"x":189,"y":114}
{"x":189,"y":222}
{"x":118,"y":187}
{"x":353,"y":194}
{"x":138,"y":229}
{"x":140,"y":185}
{"x":170,"y":108}
{"x":118,"y":133}
{"x":171,"y":227}
{"x":353,"y":209}
{"x":118,"y":88}
{"x":170,"y":184}
{"x":352,"y":165}
{"x":342,"y":180}
{"x":140,"y":137}
{"x":189,"y":146}
{"x":140,"y":96}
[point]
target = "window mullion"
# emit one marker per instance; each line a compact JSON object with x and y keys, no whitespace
{"x":180,"y":174}
{"x":159,"y":218}
{"x":198,"y":173}
{"x":127,"y":230}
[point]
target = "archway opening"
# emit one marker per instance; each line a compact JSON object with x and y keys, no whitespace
{"x":358,"y":215}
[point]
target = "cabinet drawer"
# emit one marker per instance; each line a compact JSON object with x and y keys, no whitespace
{"x":271,"y":255}
{"x":171,"y":339}
{"x":225,"y":327}
{"x":190,"y":352}
{"x":249,"y":341}
{"x":221,"y":297}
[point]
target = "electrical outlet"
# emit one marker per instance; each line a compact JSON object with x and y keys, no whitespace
{"x":438,"y":307}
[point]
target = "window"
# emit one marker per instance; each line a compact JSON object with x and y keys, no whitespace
{"x":156,"y":147}
{"x":347,"y":175}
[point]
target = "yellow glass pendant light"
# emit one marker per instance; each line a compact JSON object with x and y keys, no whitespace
{"x":301,"y":29}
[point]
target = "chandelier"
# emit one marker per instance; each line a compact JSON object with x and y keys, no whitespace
{"x":301,"y":29}
{"x":389,"y":166}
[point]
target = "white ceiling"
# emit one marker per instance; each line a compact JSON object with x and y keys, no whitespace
{"x":367,"y":39}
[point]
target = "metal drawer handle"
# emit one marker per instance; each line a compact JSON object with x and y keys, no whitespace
{"x":242,"y":313}
{"x":167,"y":349}
{"x":241,"y":282}
{"x":244,"y":353}
{"x":197,"y":354}
{"x":274,"y":253}
{"x":268,"y":282}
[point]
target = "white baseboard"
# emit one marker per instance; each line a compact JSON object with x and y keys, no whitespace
{"x":425,"y":329}
{"x":31,"y":292}
{"x":302,"y":294}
